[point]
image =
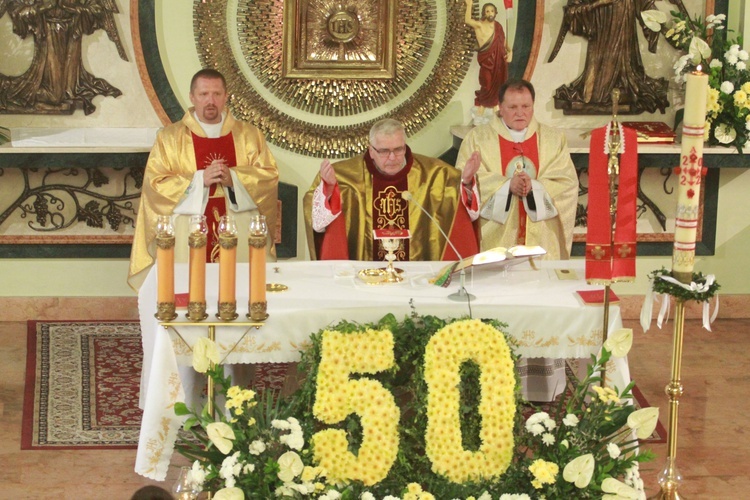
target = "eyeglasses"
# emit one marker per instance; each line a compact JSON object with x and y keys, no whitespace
{"x":385,"y":153}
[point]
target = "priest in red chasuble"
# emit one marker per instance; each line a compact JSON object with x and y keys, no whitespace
{"x":207,"y":163}
{"x":349,"y":199}
{"x":527,"y":180}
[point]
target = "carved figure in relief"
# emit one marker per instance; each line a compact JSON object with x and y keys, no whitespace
{"x":56,"y":81}
{"x":493,"y":56}
{"x":613,"y":59}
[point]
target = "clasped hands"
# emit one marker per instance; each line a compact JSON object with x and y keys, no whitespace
{"x":520,"y":182}
{"x":217,"y":173}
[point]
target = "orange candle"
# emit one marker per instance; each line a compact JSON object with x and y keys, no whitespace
{"x":257,"y":274}
{"x":227,"y":274}
{"x":164,"y":259}
{"x":198,"y":274}
{"x":165,"y":272}
{"x":257,"y":238}
{"x":227,"y":259}
{"x":197,"y":242}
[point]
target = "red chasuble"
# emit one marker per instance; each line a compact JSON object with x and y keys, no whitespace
{"x":610,"y":255}
{"x":206,"y":151}
{"x":383,"y":207}
{"x":516,"y":157}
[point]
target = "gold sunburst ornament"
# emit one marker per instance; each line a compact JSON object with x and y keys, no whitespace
{"x":347,"y":65}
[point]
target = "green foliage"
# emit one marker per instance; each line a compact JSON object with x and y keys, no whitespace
{"x":702,"y":292}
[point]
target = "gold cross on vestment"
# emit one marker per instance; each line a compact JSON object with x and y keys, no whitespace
{"x":598,"y":253}
{"x":624,"y":250}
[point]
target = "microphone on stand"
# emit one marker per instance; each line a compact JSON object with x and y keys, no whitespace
{"x":461,"y":295}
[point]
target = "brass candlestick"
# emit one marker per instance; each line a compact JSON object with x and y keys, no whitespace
{"x":669,"y":478}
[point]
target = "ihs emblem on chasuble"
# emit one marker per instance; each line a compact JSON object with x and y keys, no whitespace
{"x":390,"y":209}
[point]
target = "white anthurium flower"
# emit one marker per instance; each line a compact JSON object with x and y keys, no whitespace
{"x":221,"y":435}
{"x":618,"y":490}
{"x":725,"y":134}
{"x":291,"y":466}
{"x":229,"y":494}
{"x":580,"y":470}
{"x":204,"y":351}
{"x":654,"y":19}
{"x":699,"y":50}
{"x":644,"y":421}
{"x":620,"y":342}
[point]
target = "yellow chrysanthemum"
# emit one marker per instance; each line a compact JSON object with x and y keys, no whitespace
{"x":444,"y":354}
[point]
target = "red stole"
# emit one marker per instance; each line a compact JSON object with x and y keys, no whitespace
{"x":520,"y":155}
{"x":611,"y":257}
{"x":389,"y":210}
{"x":206,"y":151}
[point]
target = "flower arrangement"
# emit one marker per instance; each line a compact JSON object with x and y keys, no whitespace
{"x":704,"y":43}
{"x":370,"y":418}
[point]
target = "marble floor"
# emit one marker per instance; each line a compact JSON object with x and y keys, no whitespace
{"x":713,"y":445}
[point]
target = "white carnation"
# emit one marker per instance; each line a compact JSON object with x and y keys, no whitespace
{"x":727,"y":87}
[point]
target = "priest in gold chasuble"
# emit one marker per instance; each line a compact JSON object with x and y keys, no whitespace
{"x":527,"y":181}
{"x":207,"y":163}
{"x":350,"y":199}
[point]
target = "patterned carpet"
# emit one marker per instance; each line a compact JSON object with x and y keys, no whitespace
{"x":82,"y":382}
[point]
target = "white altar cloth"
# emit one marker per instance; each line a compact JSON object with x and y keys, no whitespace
{"x":544,"y":314}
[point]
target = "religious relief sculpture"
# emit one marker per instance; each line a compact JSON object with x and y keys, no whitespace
{"x":493,"y":57}
{"x":343,"y":39}
{"x":613,"y":59}
{"x":56,"y":81}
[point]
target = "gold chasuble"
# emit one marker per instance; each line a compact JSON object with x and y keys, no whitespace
{"x":554,"y":170}
{"x":371,"y":200}
{"x":170,"y":170}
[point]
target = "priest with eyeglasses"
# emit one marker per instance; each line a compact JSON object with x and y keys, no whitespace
{"x":351,"y":198}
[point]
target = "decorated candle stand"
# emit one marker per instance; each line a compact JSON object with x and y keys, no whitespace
{"x":227,"y":303}
{"x":682,"y":283}
{"x":611,"y":214}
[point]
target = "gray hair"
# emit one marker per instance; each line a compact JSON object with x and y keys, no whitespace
{"x":386,"y":126}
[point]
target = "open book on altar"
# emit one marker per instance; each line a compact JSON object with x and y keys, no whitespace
{"x":499,"y":255}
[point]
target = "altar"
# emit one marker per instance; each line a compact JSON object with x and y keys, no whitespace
{"x":544,"y":314}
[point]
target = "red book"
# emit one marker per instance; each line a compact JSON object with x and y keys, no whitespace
{"x":652,"y":132}
{"x":594,"y":297}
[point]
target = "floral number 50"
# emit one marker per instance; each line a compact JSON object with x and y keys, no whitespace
{"x":338,"y":396}
{"x":372,"y":351}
